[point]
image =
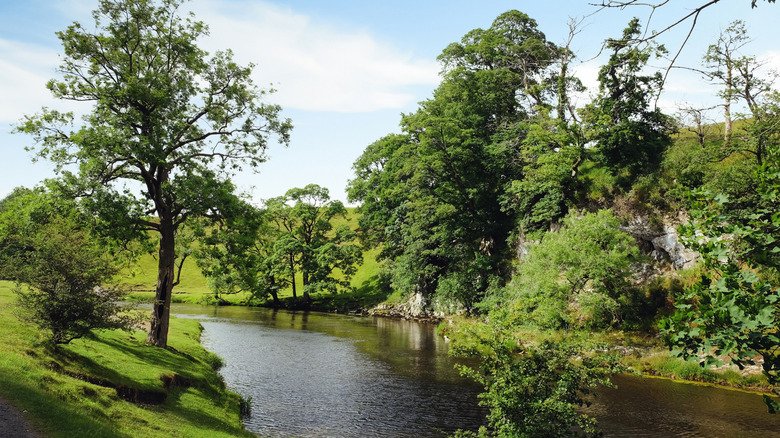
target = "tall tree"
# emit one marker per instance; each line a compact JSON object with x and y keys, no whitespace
{"x":723,"y":61}
{"x":434,"y":193}
{"x":630,"y":132}
{"x":307,"y":240}
{"x":164,"y":115}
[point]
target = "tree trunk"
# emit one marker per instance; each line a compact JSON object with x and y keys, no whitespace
{"x":274,"y":292}
{"x":727,"y":126}
{"x":292,"y":275}
{"x":305,"y":275}
{"x":161,"y":311}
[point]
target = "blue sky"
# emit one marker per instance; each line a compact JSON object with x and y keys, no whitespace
{"x":345,"y":70}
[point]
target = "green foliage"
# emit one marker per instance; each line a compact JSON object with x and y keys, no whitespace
{"x":432,"y":195}
{"x":734,"y":310}
{"x":308,"y":241}
{"x":47,"y":246}
{"x":166,"y":120}
{"x":577,"y":276}
{"x":553,"y":152}
{"x":531,"y":390}
{"x":261,"y":251}
{"x":630,"y":133}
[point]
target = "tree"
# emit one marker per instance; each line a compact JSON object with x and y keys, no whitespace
{"x":307,"y":241}
{"x":47,"y":246}
{"x":164,"y":115}
{"x":235,"y":252}
{"x":552,"y":152}
{"x":696,"y":121}
{"x":434,"y":193}
{"x":693,"y":15}
{"x":734,"y":309}
{"x":630,"y":133}
{"x":722,"y":60}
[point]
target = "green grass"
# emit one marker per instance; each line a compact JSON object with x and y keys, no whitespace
{"x":141,"y":278}
{"x":644,"y":353}
{"x":71,"y":390}
{"x":194,"y":289}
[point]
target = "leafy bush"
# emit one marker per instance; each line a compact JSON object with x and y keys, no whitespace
{"x":531,"y":390}
{"x":46,"y":247}
{"x":576,"y":276}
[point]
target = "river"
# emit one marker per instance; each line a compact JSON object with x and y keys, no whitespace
{"x":323,"y":375}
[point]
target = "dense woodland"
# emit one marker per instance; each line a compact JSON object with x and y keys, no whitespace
{"x":499,"y":199}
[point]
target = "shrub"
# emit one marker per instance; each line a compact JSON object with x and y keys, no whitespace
{"x":59,"y":268}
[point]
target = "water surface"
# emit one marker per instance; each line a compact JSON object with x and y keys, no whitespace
{"x":324,"y":375}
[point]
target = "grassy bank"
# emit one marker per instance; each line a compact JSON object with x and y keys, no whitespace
{"x":639,"y":352}
{"x":113,"y":385}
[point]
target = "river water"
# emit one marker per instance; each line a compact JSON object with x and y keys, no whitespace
{"x":323,"y":375}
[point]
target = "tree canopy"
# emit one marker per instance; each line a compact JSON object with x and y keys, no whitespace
{"x":167,"y":125}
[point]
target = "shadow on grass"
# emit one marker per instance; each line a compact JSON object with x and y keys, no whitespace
{"x":131,"y":352}
{"x":53,"y":417}
{"x":198,"y":419}
{"x":372,"y":292}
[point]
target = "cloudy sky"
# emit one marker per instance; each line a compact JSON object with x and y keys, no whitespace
{"x":344,"y":69}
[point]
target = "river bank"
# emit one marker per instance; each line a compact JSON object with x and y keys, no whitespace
{"x":641,"y":352}
{"x":394,"y":378}
{"x":112,"y":384}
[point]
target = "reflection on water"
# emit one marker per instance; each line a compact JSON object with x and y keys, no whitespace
{"x":323,"y":375}
{"x":649,"y":407}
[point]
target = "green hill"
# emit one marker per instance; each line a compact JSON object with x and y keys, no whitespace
{"x":141,"y":278}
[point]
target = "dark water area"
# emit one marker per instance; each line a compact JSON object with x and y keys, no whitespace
{"x":324,"y":375}
{"x":651,"y":407}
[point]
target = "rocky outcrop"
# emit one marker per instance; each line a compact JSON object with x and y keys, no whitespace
{"x":661,"y":240}
{"x":413,"y":308}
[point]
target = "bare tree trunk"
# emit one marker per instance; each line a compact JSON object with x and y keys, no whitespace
{"x":727,"y":126}
{"x":292,"y":276}
{"x":274,"y":292}
{"x":305,"y":274}
{"x":161,"y":311}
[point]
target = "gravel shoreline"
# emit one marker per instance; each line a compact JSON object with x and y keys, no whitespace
{"x":13,"y":424}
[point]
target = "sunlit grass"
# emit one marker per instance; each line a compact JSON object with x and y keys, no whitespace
{"x":194,"y":288}
{"x":70,"y":390}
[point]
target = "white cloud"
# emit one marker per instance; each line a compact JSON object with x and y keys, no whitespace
{"x":24,"y":71}
{"x":771,"y":61}
{"x":312,"y":65}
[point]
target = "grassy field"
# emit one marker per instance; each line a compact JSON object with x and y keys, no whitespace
{"x":194,"y":288}
{"x":83,"y":389}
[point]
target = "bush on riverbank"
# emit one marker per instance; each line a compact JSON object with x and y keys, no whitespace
{"x":111,"y":384}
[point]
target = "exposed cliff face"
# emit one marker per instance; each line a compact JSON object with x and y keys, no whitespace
{"x":415,"y":307}
{"x":657,"y":238}
{"x":661,"y":241}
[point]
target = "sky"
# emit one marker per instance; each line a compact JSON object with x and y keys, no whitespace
{"x":346,"y":70}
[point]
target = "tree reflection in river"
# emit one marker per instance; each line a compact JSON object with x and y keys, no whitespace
{"x":323,"y":375}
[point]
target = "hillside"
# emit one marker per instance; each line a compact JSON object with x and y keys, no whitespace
{"x":194,"y":287}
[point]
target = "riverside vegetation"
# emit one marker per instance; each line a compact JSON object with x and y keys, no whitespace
{"x":546,"y":232}
{"x":111,"y":384}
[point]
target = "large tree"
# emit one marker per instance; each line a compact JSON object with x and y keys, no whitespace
{"x":433,"y":194}
{"x":166,"y":119}
{"x":307,"y":240}
{"x":630,"y":132}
